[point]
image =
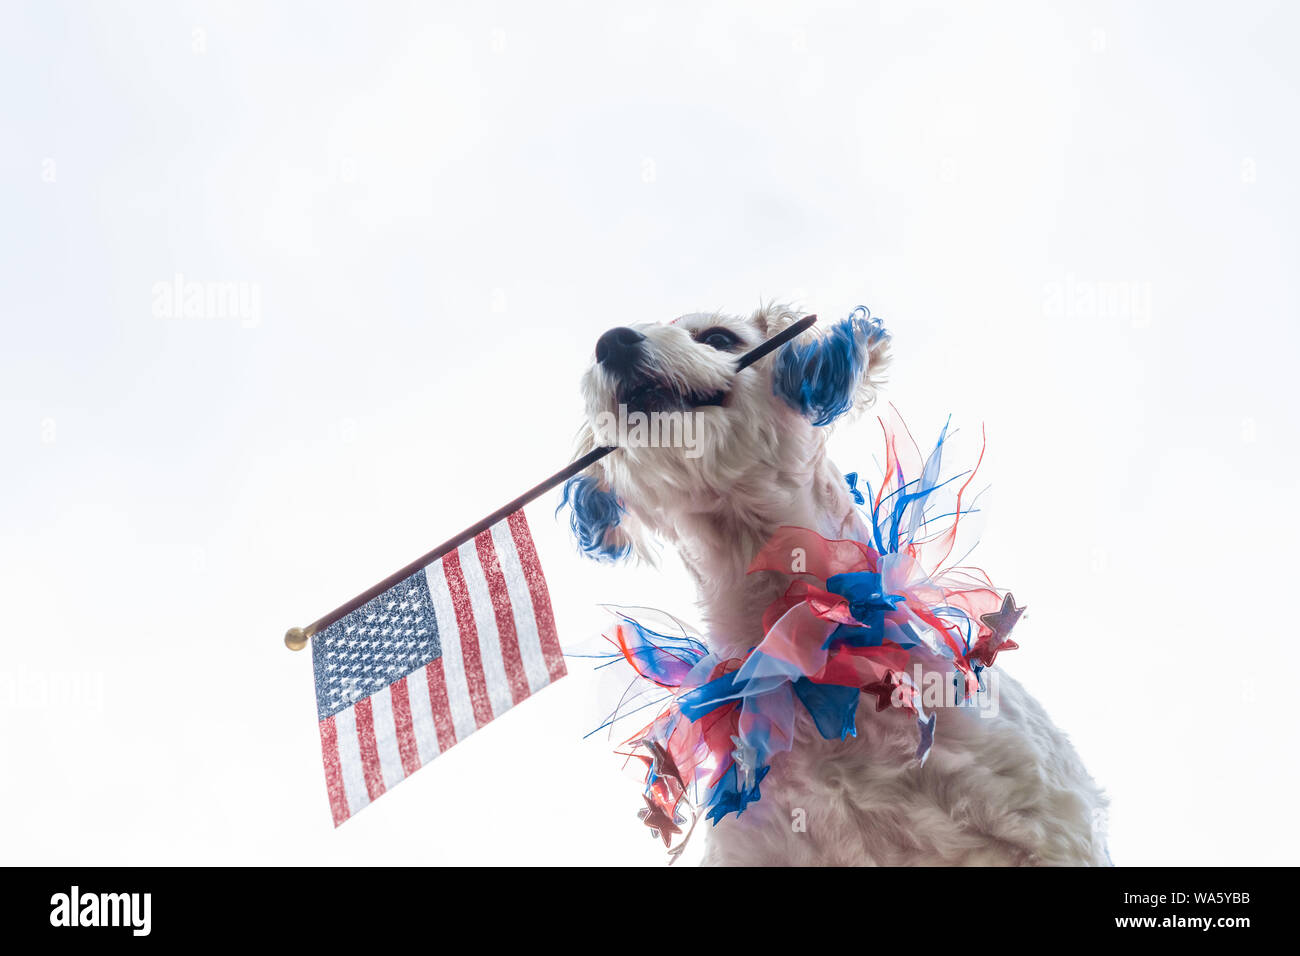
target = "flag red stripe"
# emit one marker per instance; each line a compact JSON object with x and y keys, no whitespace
{"x":546,"y":632}
{"x":475,"y":682}
{"x":507,"y":636}
{"x":370,"y":767}
{"x":406,"y":745}
{"x":442,"y":722}
{"x":329,"y":745}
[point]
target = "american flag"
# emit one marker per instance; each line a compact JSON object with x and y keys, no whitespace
{"x":431,"y":660}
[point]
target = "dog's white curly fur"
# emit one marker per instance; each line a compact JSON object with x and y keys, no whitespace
{"x":1007,"y":789}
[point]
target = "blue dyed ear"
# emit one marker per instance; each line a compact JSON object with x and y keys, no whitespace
{"x":820,"y":377}
{"x":595,"y":514}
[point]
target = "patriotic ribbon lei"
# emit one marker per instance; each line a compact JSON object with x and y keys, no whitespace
{"x":853,"y":617}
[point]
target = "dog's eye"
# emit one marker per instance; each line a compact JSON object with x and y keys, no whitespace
{"x":719,"y":338}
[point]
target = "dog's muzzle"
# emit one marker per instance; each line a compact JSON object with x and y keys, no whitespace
{"x":621,"y":352}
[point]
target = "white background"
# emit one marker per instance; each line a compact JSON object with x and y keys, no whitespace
{"x":1079,"y":221}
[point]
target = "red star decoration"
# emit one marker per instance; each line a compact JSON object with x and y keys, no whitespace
{"x":999,"y":623}
{"x":884,"y":690}
{"x":668,"y":780}
{"x":665,"y":766}
{"x":659,"y":821}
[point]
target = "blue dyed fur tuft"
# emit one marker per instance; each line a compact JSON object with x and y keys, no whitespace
{"x":820,"y":377}
{"x":595,"y":512}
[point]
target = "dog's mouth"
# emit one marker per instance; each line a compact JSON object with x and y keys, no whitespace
{"x":654,"y":396}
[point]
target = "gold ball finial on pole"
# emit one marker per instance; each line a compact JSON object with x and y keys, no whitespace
{"x":296,"y":638}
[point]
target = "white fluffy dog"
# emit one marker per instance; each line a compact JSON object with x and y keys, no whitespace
{"x":1003,"y":790}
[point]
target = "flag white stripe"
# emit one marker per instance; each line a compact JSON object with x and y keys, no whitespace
{"x":390,"y":758}
{"x":485,"y":619}
{"x":426,"y":733}
{"x":530,"y":642}
{"x":354,"y":782}
{"x":453,"y":664}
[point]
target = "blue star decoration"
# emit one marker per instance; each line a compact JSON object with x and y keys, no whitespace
{"x":852,"y":479}
{"x":729,"y":798}
{"x":864,"y":590}
{"x":926,"y":726}
{"x":1000,"y":623}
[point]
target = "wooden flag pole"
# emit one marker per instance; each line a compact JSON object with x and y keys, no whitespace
{"x":296,"y":638}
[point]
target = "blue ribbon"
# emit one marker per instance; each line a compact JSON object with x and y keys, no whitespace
{"x":852,"y":479}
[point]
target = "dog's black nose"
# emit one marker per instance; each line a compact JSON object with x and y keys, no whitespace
{"x":618,"y":349}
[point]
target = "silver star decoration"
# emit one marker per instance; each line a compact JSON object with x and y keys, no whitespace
{"x":746,"y":758}
{"x":1004,"y":619}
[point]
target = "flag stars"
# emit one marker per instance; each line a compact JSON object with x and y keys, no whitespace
{"x":377,"y":644}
